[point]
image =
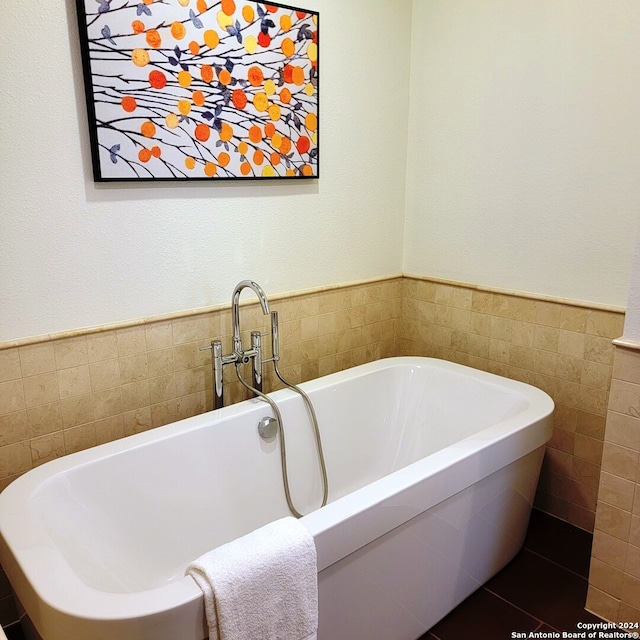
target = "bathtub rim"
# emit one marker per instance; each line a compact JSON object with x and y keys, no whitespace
{"x":393,"y":492}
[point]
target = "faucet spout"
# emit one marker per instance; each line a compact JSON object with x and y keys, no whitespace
{"x":235,"y":309}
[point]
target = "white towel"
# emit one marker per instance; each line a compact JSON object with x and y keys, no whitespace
{"x":262,"y":586}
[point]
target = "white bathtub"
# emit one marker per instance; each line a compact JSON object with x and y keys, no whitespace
{"x":432,"y":471}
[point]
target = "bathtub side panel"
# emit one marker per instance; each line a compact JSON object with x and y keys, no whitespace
{"x":401,"y":584}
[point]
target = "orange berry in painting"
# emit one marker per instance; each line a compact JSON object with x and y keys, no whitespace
{"x":201,"y":6}
{"x":311,"y":121}
{"x":148,"y":129}
{"x":248,"y":13}
{"x":287,"y":74}
{"x":156,"y":151}
{"x":297,"y":75}
{"x":285,"y":146}
{"x":129,"y":104}
{"x":269,"y":129}
{"x":228,"y":7}
{"x":202,"y":132}
{"x":178,"y":30}
{"x":264,"y":40}
{"x":206,"y":72}
{"x":245,"y":168}
{"x":243,"y":148}
{"x":301,"y":15}
{"x":153,"y":38}
{"x":224,"y":159}
{"x":285,"y":96}
{"x":190,"y":163}
{"x":211,"y":38}
{"x":255,"y":134}
{"x":255,"y":76}
{"x":285,"y":22}
{"x":198,"y":98}
{"x":194,"y":47}
{"x":261,"y":102}
{"x":137,"y":26}
{"x":288,"y":47}
{"x":275,"y":159}
{"x":210,"y":169}
{"x":307,"y":170}
{"x":184,"y":106}
{"x":184,"y":79}
{"x":226,"y":132}
{"x":274,"y":112}
{"x":224,"y":76}
{"x":144,"y":155}
{"x":270,"y":8}
{"x":239,"y":99}
{"x":303,"y":144}
{"x":157,"y":79}
{"x":258,"y":157}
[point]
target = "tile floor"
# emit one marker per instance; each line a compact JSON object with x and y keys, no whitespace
{"x":543,"y":589}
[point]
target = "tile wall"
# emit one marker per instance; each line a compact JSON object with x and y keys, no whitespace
{"x":564,"y":349}
{"x":63,"y":395}
{"x":614,"y":591}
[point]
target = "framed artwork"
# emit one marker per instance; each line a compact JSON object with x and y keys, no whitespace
{"x":200,"y":89}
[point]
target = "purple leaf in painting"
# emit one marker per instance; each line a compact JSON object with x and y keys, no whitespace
{"x":113,"y":153}
{"x":207,"y":115}
{"x":142,"y":8}
{"x":266,"y":24}
{"x":304,"y":33}
{"x":104,"y":6}
{"x":106,"y":33}
{"x":197,"y":23}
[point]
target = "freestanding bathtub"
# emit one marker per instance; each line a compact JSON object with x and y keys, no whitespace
{"x":432,"y":471}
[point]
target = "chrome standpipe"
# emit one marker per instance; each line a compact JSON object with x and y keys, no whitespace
{"x":269,"y":426}
{"x":217,"y":364}
{"x":256,"y":347}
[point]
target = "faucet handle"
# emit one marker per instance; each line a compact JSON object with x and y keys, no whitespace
{"x":214,"y":346}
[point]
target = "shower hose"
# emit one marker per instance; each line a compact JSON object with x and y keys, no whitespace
{"x":283,"y":450}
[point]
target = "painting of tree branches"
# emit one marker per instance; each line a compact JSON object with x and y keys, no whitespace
{"x":200,"y":89}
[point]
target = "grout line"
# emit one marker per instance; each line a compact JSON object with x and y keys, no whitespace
{"x":557,"y":564}
{"x":515,"y":606}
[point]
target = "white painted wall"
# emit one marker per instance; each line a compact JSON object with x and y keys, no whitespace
{"x":75,"y":254}
{"x":524,"y":145}
{"x":521,"y":167}
{"x":632,"y":316}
